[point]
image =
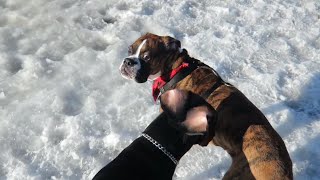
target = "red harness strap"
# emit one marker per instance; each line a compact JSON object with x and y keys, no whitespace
{"x":160,"y":81}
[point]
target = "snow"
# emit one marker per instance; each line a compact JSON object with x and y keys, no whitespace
{"x":66,"y":111}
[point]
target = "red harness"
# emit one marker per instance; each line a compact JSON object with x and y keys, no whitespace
{"x":162,"y":84}
{"x":160,"y":81}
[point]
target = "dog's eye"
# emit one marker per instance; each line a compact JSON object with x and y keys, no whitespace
{"x":146,"y":56}
{"x":130,"y":50}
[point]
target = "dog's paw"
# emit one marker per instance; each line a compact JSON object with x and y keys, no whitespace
{"x":173,"y":103}
{"x":189,"y":113}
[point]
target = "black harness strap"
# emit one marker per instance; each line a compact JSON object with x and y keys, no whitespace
{"x":207,"y":93}
{"x":178,"y":77}
{"x":185,"y":72}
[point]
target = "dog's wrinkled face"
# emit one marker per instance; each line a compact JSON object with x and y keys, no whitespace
{"x":148,"y":55}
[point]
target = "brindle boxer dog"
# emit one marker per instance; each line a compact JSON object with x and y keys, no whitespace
{"x":256,"y":149}
{"x":155,"y":154}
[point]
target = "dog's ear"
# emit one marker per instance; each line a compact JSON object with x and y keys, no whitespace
{"x":148,"y":34}
{"x":171,"y":43}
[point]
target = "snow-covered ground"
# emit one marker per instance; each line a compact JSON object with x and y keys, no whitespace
{"x":65,"y":111}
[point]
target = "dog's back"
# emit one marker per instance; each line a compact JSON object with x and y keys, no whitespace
{"x":257,"y":150}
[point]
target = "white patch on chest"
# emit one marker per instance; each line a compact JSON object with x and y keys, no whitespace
{"x":154,"y":76}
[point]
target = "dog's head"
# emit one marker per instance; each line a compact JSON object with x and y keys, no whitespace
{"x":149,"y":56}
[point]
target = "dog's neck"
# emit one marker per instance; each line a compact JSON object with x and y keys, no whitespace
{"x":183,"y":56}
{"x":173,"y":61}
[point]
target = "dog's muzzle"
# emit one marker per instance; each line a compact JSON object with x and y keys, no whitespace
{"x":130,"y":67}
{"x":129,"y":62}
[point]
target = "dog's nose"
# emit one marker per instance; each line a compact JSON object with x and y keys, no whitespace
{"x":129,"y":62}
